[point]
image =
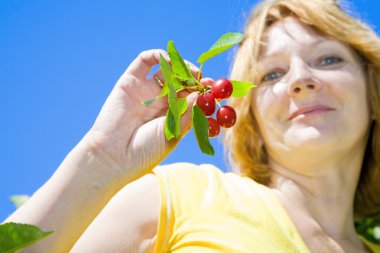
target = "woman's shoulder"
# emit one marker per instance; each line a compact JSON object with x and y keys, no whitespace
{"x":194,"y":177}
{"x":196,"y":173}
{"x":186,"y":167}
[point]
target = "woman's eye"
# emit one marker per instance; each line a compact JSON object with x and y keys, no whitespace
{"x":330,"y":60}
{"x":272,"y":76}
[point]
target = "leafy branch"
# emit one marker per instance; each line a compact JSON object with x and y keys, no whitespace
{"x":178,"y":77}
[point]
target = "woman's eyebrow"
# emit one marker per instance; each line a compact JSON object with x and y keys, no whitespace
{"x":335,"y":47}
{"x":281,"y":51}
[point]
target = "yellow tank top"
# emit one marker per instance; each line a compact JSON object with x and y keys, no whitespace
{"x":206,"y":210}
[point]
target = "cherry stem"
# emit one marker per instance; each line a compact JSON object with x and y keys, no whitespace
{"x":200,"y":87}
{"x":200,"y":71}
{"x":195,"y":87}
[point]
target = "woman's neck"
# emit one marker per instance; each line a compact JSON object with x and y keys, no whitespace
{"x":322,"y":190}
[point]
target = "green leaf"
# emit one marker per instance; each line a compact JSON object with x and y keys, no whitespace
{"x":173,"y":115}
{"x":149,"y":102}
{"x":169,"y":77}
{"x":182,"y":105}
{"x":224,"y":43}
{"x":167,"y":72}
{"x":164,"y":92}
{"x":200,"y":125}
{"x":172,"y":122}
{"x":169,"y":125}
{"x":369,"y":228}
{"x":15,"y":236}
{"x":173,"y":107}
{"x":180,"y":68}
{"x":241,"y":88}
{"x":19,"y":200}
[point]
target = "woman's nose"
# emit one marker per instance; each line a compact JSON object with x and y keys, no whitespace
{"x":301,"y":80}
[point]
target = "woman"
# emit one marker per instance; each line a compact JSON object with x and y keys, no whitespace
{"x":308,"y":135}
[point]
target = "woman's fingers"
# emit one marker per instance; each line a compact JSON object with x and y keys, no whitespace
{"x":141,"y":66}
{"x":207,"y":82}
{"x":144,"y":62}
{"x":158,"y":78}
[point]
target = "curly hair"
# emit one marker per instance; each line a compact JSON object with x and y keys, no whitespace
{"x":245,"y":150}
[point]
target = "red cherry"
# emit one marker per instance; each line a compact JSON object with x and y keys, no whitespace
{"x":207,"y":103}
{"x":213,"y":127}
{"x":222,"y":88}
{"x":226,"y":116}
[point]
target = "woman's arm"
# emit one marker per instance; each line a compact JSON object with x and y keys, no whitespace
{"x":68,"y":201}
{"x":126,"y":142}
{"x":128,"y":223}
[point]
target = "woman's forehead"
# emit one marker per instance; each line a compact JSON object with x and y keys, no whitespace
{"x":291,"y":35}
{"x":287,"y":33}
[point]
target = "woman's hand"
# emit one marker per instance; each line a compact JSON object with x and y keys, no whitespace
{"x":126,"y":141}
{"x":128,"y":136}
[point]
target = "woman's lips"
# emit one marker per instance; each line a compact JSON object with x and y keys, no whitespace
{"x":310,"y":110}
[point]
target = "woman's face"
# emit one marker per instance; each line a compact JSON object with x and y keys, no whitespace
{"x":313,"y":93}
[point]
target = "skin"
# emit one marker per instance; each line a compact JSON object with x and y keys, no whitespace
{"x":316,"y":156}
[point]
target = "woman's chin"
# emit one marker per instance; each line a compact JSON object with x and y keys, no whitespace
{"x":311,"y":138}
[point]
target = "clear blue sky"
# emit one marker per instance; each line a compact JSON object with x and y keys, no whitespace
{"x":60,"y":59}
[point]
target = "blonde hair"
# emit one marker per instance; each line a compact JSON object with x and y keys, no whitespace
{"x":246,"y":152}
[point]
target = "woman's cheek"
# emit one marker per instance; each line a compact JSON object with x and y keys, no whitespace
{"x":260,"y":105}
{"x":269,"y":98}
